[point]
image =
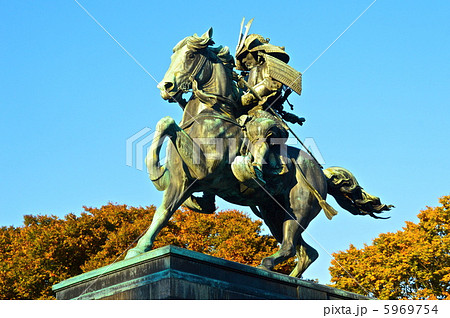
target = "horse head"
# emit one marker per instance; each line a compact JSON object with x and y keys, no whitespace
{"x":195,"y":65}
{"x":185,"y":65}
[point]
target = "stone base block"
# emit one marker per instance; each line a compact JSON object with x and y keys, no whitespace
{"x":174,"y":273}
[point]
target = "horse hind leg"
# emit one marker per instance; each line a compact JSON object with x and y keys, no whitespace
{"x":291,"y":231}
{"x":295,"y":222}
{"x":306,"y":255}
{"x":205,"y":204}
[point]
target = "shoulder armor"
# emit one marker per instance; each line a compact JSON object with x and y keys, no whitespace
{"x":284,"y":73}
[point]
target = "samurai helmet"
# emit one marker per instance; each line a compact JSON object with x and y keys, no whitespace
{"x":257,"y":43}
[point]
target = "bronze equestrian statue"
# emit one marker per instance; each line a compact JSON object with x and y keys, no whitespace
{"x":212,"y":137}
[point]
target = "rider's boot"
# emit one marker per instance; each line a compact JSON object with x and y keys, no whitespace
{"x":260,"y":151}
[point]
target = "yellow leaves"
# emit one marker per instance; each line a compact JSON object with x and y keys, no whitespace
{"x":47,"y":249}
{"x":413,"y":263}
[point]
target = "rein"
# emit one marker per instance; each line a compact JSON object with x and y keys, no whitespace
{"x":197,"y":68}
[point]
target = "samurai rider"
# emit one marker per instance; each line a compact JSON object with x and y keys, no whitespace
{"x":268,"y":75}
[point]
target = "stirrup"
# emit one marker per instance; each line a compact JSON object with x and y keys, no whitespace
{"x":245,"y":172}
{"x":258,"y":175}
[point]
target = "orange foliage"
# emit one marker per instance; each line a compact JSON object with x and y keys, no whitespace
{"x":410,"y":264}
{"x":47,"y":249}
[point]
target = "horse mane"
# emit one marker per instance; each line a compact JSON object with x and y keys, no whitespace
{"x":223,"y":54}
{"x":179,"y":45}
{"x":196,"y":42}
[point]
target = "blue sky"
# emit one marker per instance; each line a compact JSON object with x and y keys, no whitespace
{"x":376,"y":102}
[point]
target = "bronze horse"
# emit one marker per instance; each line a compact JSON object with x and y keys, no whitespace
{"x":195,"y":164}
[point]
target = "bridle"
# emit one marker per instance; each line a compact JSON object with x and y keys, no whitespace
{"x":207,"y":98}
{"x":197,"y":68}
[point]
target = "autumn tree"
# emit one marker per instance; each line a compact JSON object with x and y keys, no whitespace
{"x":48,"y":249}
{"x":413,"y":263}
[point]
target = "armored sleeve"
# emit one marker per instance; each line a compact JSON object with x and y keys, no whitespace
{"x":264,"y":84}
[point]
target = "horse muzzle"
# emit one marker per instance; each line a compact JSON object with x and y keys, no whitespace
{"x":165,"y":95}
{"x":167,"y":90}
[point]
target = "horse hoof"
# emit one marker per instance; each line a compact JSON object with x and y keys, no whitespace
{"x":267,"y":264}
{"x":133,"y":253}
{"x":263,"y":267}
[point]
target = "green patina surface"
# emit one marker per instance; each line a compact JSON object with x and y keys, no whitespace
{"x":114,"y":267}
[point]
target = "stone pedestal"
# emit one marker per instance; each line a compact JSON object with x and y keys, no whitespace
{"x":174,"y":273}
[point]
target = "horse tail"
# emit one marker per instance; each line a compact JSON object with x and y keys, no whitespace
{"x":158,"y":174}
{"x":344,"y":187}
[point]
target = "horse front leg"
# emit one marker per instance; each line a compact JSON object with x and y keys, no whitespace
{"x":177,"y":189}
{"x":173,"y":197}
{"x":191,"y":154}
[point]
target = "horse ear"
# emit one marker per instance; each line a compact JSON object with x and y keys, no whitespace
{"x":208,"y":34}
{"x":196,"y":43}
